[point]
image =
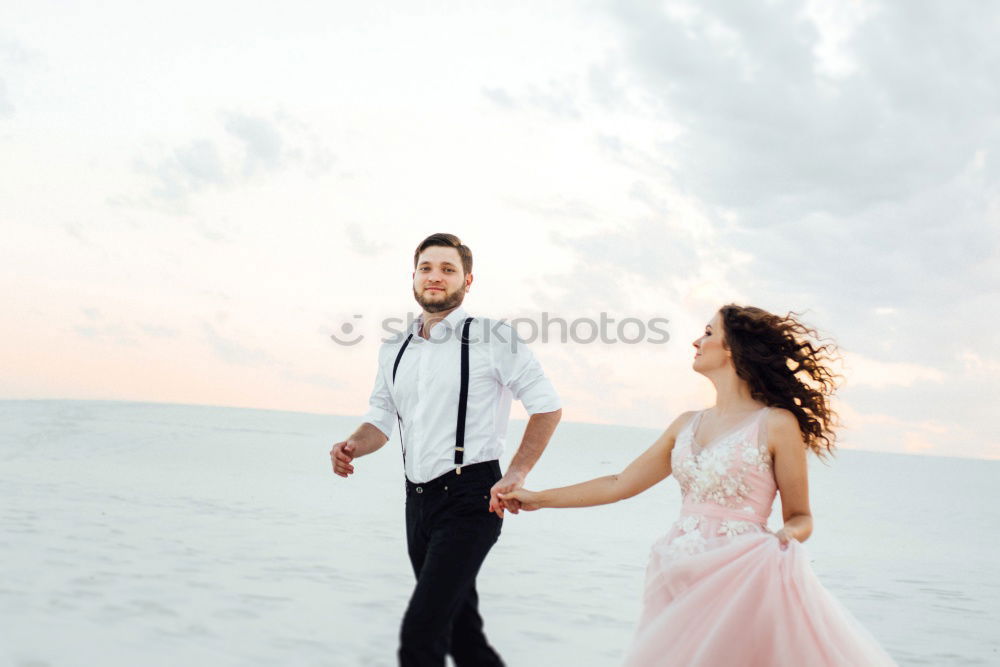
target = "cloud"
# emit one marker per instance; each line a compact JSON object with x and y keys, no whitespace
{"x":611,"y":261}
{"x":975,"y":364}
{"x":248,"y":147}
{"x":97,"y":327}
{"x":877,"y":429}
{"x":658,"y":254}
{"x":831,"y":159}
{"x":15,"y":57}
{"x":237,"y":353}
{"x":361,"y":244}
{"x":6,"y":107}
{"x":75,"y":230}
{"x":114,"y":334}
{"x":557,"y":208}
{"x":875,"y":185}
{"x":555,"y":97}
{"x":187,"y":170}
{"x":315,"y":379}
{"x":894,"y":160}
{"x":864,"y":371}
{"x":500,"y":97}
{"x":768,"y":130}
{"x":219,"y":230}
{"x":159,"y":331}
{"x":233,"y":351}
{"x":15,"y":52}
{"x":262,"y":143}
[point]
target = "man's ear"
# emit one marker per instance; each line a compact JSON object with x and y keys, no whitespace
{"x":468,"y":282}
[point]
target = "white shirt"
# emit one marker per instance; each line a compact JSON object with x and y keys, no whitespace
{"x":426,"y":390}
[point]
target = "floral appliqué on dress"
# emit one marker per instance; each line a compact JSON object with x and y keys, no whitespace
{"x":718,"y":475}
{"x":731,"y":528}
{"x":690,"y":541}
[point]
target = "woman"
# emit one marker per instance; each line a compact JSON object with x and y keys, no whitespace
{"x":721,"y":589}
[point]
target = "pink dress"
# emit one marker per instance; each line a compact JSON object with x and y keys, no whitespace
{"x":720,"y":590}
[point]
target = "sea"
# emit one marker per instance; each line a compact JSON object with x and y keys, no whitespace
{"x":165,"y":534}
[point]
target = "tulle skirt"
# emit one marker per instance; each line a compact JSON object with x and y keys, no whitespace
{"x":745,"y":601}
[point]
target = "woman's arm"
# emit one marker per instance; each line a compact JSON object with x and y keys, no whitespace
{"x":649,"y":468}
{"x":791,"y":473}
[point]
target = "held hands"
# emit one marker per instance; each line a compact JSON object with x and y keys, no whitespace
{"x":510,"y":482}
{"x":341,"y":455}
{"x":526,"y":500}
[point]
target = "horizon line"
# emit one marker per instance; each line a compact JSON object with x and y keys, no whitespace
{"x":513,"y":419}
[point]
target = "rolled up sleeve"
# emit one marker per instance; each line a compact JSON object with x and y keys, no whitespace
{"x":381,"y":408}
{"x":517,"y":369}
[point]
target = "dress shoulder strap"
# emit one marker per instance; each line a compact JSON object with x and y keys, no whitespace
{"x":692,"y":424}
{"x":762,"y":427}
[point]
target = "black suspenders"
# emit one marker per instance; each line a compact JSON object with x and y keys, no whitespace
{"x":463,"y":397}
{"x":399,"y":421}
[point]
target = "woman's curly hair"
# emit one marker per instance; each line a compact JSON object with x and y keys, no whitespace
{"x":786,"y":367}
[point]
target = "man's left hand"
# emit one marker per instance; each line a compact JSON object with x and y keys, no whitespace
{"x":512,"y":481}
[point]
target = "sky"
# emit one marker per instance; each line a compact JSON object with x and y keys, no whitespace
{"x":196,"y":196}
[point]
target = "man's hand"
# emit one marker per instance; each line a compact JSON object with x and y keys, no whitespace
{"x":341,"y":455}
{"x":512,"y":481}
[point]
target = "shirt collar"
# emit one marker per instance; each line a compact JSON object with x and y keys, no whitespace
{"x":443,"y":327}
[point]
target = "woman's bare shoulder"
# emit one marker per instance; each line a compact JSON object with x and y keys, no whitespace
{"x":783,"y":432}
{"x":781,"y":419}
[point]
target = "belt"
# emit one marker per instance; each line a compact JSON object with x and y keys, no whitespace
{"x":441,"y":483}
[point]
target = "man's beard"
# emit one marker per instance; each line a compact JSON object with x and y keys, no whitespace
{"x":450,"y":301}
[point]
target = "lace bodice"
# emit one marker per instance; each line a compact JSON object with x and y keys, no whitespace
{"x":727,"y":486}
{"x":732,"y":471}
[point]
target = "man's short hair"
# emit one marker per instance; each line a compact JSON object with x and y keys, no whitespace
{"x":446,"y":241}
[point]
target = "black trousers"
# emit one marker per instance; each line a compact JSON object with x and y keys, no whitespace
{"x":449,"y":531}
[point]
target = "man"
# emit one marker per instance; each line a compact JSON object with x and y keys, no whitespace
{"x":449,"y":384}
